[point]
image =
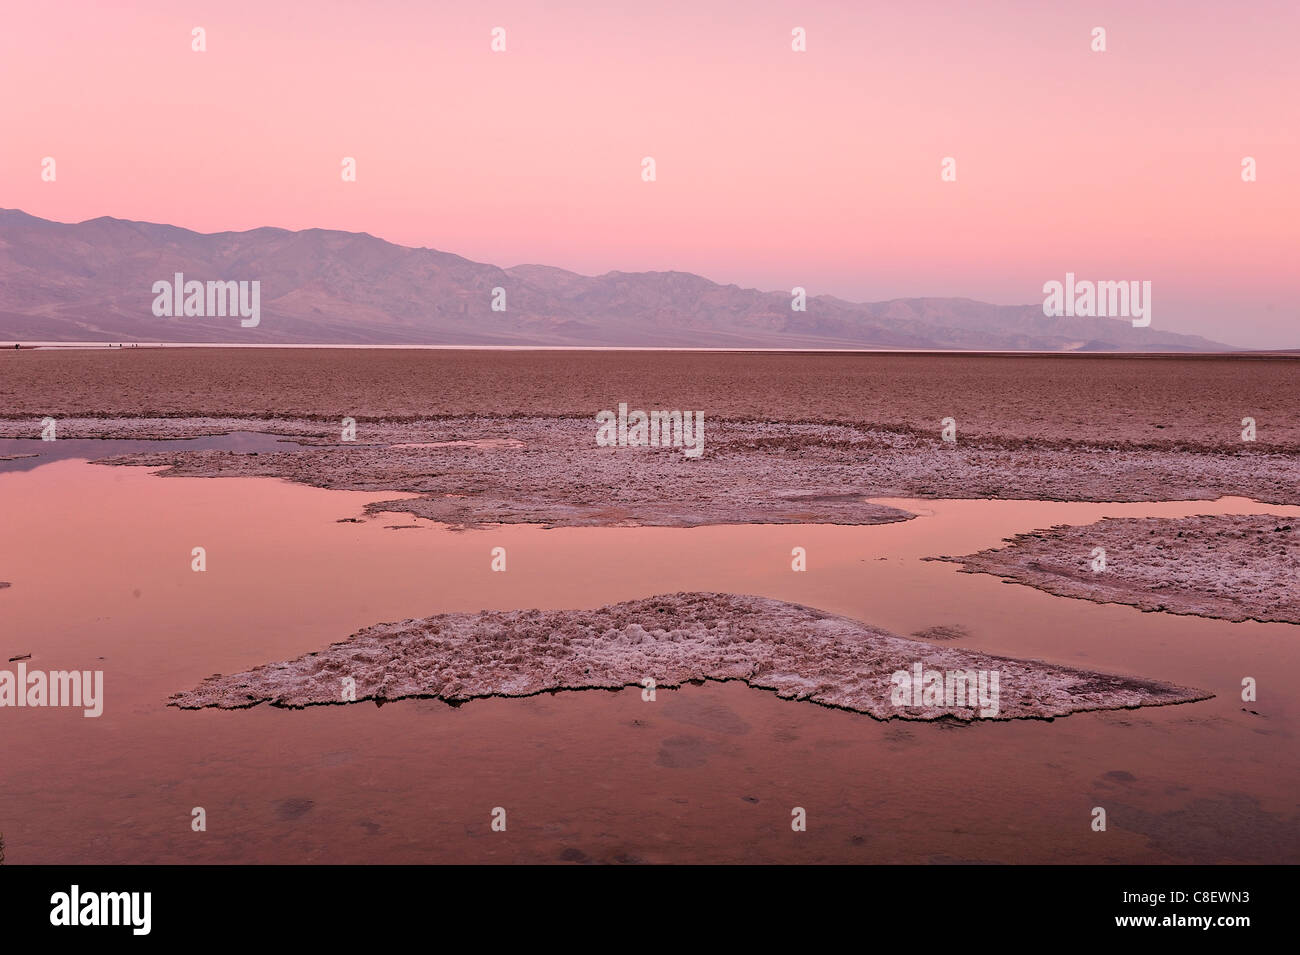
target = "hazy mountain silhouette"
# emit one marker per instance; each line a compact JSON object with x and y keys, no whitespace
{"x":93,"y":281}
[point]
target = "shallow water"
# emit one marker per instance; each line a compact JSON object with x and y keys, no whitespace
{"x":24,"y":454}
{"x":99,"y":559}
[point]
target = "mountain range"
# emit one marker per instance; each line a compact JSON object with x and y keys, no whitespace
{"x":93,"y":281}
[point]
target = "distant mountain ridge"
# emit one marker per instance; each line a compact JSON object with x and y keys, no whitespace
{"x":93,"y":281}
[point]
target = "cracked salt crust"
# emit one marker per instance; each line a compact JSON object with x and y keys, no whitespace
{"x":548,"y":470}
{"x":799,"y":652}
{"x":1229,"y":567}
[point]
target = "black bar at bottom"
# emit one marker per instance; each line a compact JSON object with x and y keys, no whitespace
{"x":379,"y":905}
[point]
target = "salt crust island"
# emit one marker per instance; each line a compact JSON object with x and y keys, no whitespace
{"x":1230,"y":567}
{"x":799,"y":652}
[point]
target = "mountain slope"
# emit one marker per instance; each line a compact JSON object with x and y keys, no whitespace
{"x":93,"y":281}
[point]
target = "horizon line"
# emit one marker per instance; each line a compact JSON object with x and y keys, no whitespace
{"x":18,"y":345}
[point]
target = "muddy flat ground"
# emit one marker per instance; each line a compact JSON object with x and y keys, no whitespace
{"x":1153,"y":400}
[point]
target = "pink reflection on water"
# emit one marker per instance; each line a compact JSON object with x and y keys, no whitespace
{"x":99,"y":559}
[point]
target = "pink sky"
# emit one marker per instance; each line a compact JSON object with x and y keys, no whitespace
{"x":775,"y":168}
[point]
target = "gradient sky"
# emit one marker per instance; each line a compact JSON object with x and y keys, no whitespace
{"x":775,"y":168}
